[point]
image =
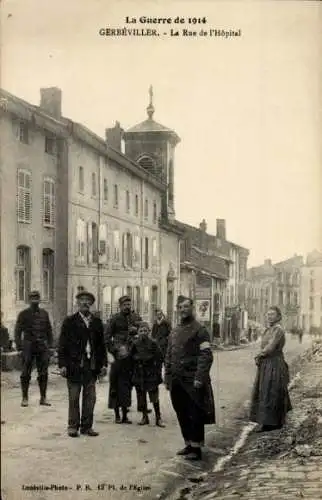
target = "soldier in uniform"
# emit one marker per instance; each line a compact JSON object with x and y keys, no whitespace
{"x":35,"y":326}
{"x":119,"y":340}
{"x":188,"y":362}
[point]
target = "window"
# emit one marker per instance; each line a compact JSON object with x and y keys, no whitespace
{"x":116,"y":246}
{"x":146,"y":253}
{"x":105,"y":190}
{"x":137,"y":299}
{"x":127,"y":201}
{"x":296,"y":298}
{"x":154,"y":252}
{"x":311,"y":303}
{"x":312,"y":285}
{"x":146,"y":208}
{"x":146,"y":300}
{"x":137,"y":249}
{"x":154,"y":301}
{"x":116,"y":295}
{"x":23,"y":268}
{"x":81,"y":183}
{"x":80,"y":241}
{"x":136,"y":206}
{"x":49,"y":203}
{"x":155,"y":215}
{"x":288,"y":298}
{"x":24,"y":196}
{"x":92,"y":239}
{"x":107,"y":302}
{"x":23,"y":132}
{"x":50,"y":145}
{"x":127,"y":250}
{"x":116,"y":196}
{"x":146,"y":162}
{"x":281,"y":298}
{"x":129,"y":292}
{"x":94,"y":184}
{"x":48,"y":275}
{"x":103,"y":244}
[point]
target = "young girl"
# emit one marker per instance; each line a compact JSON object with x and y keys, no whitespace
{"x":147,"y":361}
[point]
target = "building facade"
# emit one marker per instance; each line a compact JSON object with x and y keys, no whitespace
{"x":275,"y":284}
{"x":311,"y":294}
{"x":30,"y":162}
{"x":83,"y":215}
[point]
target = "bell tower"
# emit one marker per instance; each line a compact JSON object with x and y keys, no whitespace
{"x":152,"y":146}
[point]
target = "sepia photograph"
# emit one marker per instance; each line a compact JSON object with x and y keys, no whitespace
{"x":161,"y":249}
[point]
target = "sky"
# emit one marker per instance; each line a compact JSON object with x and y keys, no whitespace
{"x":247,"y":109}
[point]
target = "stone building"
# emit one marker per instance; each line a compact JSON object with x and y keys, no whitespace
{"x":311,"y":294}
{"x":87,"y":216}
{"x":30,"y":160}
{"x":275,"y":284}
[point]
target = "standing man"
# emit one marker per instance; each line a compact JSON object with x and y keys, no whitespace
{"x":120,"y":333}
{"x":35,"y":326}
{"x":81,"y":359}
{"x":160,"y":332}
{"x":188,"y":362}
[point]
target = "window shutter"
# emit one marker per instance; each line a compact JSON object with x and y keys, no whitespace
{"x":102,"y":244}
{"x":124,"y":248}
{"x":89,"y":243}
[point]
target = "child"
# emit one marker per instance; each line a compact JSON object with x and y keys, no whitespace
{"x":147,"y":361}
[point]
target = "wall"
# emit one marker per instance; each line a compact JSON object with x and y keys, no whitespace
{"x":32,"y":157}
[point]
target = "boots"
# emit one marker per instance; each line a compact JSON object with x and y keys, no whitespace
{"x":145,"y":419}
{"x":158,"y":420}
{"x":125,"y":420}
{"x":117,"y":416}
{"x":24,"y":390}
{"x":42,"y":382}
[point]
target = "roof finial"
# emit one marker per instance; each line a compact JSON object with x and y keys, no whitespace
{"x":150,"y":108}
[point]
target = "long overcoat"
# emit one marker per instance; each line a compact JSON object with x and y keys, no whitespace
{"x":189,"y":358}
{"x":147,"y":364}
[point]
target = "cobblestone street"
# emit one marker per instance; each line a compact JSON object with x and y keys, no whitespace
{"x":36,"y":451}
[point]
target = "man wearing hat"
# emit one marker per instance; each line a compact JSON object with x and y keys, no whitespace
{"x":188,"y":362}
{"x":119,"y":339}
{"x":34,"y":324}
{"x":81,"y":359}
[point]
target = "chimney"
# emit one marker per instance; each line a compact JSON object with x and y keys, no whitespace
{"x":203,"y":226}
{"x":267,"y":262}
{"x":51,"y":100}
{"x":114,"y":136}
{"x":221,"y":229}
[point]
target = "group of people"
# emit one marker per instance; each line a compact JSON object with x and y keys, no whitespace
{"x":140,"y":355}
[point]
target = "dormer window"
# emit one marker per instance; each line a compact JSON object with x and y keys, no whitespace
{"x":146,"y":162}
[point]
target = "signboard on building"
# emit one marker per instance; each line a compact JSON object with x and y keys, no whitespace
{"x":203,"y":309}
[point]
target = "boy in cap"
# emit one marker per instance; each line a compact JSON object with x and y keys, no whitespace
{"x":147,"y":366}
{"x":34,"y":324}
{"x":119,"y":338}
{"x":82,"y":359}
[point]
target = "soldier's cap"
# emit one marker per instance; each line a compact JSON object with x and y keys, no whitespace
{"x":183,"y":298}
{"x":84,"y":293}
{"x":34,"y":294}
{"x":125,"y":298}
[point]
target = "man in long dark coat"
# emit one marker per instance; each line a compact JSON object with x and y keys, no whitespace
{"x":119,"y":339}
{"x":188,"y":362}
{"x":82,"y":358}
{"x":160,"y":332}
{"x":34,"y":324}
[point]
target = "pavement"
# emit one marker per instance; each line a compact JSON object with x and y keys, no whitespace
{"x":40,"y":462}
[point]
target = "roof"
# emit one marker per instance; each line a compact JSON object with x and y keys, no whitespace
{"x":151,"y":126}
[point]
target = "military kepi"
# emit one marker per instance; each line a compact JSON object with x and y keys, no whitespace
{"x":34,"y":294}
{"x":84,"y":293}
{"x":125,"y":298}
{"x":182,"y":298}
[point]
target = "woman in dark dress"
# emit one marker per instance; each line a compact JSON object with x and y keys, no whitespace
{"x":270,"y":401}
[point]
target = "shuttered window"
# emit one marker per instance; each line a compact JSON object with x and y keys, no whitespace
{"x":155,"y":213}
{"x":24,"y":196}
{"x":146,"y":209}
{"x":81,"y":241}
{"x":146,"y":254}
{"x":103,"y":244}
{"x":47,"y":274}
{"x":127,"y":250}
{"x":116,"y":246}
{"x":49,"y":203}
{"x":23,"y":270}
